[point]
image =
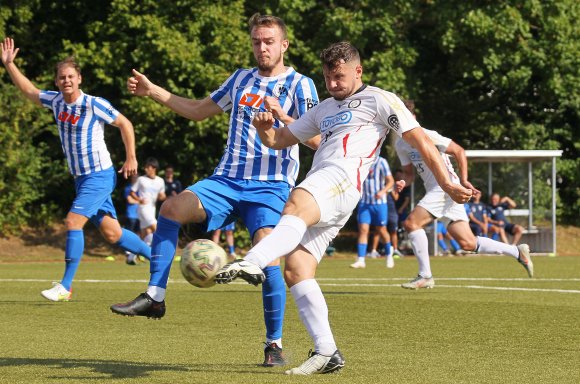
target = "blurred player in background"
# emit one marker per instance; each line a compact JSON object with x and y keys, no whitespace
{"x":373,"y":210}
{"x":478,"y":219}
{"x":228,"y":230}
{"x":251,"y":182}
{"x":498,"y":221}
{"x":148,"y":189}
{"x":437,"y":204}
{"x":81,"y":119}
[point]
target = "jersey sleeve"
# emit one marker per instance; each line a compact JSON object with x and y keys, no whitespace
{"x":135,"y":187}
{"x":402,"y":153}
{"x":223,"y":95}
{"x":393,"y":113}
{"x":387,"y":168}
{"x":46,"y":98}
{"x":104,"y":110}
{"x":306,"y":96}
{"x":440,"y":141}
{"x":305,"y":127}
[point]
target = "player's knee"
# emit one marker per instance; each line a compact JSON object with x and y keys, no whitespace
{"x":409,"y":226}
{"x":170,"y":209}
{"x":468,"y":244}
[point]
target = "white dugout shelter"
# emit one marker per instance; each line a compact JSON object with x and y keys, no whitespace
{"x":541,"y":240}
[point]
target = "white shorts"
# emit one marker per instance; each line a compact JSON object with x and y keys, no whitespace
{"x":440,"y":205}
{"x":146,"y":215}
{"x":336,"y":197}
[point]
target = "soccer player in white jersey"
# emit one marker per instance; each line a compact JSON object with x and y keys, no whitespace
{"x":353,"y":123}
{"x":437,"y":204}
{"x":373,"y":210}
{"x":148,"y":189}
{"x":81,"y":120}
{"x":251,"y":182}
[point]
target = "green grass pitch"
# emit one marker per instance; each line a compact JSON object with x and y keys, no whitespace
{"x":485,"y":322}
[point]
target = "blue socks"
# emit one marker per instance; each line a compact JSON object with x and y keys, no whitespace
{"x":454,"y":244}
{"x":361,"y":250}
{"x":442,"y":244}
{"x":231,"y":249}
{"x":75,"y":245}
{"x":162,"y":251}
{"x":132,"y":243}
{"x":274,"y":300}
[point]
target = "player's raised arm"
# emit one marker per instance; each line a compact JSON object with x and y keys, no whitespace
{"x":197,"y":110}
{"x":273,"y":138}
{"x":9,"y":53}
{"x":420,"y":141}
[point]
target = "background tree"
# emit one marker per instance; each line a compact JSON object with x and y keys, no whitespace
{"x":489,"y":74}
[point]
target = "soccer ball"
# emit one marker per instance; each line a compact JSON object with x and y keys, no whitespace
{"x":200,"y":261}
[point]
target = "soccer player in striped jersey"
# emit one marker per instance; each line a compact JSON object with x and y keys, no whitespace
{"x":437,"y":204}
{"x":373,"y":210}
{"x":354,"y":123}
{"x":251,"y":182}
{"x":81,"y":120}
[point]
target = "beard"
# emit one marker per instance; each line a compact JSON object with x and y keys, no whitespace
{"x":266,"y":66}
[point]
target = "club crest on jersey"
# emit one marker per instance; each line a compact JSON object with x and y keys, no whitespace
{"x":393,"y":121}
{"x":354,"y":103}
{"x":279,"y":90}
{"x":332,"y":121}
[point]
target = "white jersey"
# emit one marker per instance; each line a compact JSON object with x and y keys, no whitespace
{"x":353,"y":129}
{"x":81,"y":127}
{"x":149,"y":189}
{"x":375,"y":181}
{"x":245,"y":157}
{"x":407,"y":154}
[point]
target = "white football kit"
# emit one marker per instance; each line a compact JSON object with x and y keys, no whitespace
{"x":436,"y":201}
{"x":352,"y":131}
{"x":148,"y":189}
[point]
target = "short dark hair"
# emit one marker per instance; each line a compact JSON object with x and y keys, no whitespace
{"x":151,"y":161}
{"x":338,"y":53}
{"x":258,"y":20}
{"x":69,"y":61}
{"x":410,"y":104}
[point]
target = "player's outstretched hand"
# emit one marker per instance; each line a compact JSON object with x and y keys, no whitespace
{"x":129,"y":168}
{"x":273,"y":105}
{"x":263,"y":121}
{"x":399,"y":185}
{"x":459,"y":193}
{"x":8,"y":51}
{"x":139,"y":84}
{"x":468,"y":185}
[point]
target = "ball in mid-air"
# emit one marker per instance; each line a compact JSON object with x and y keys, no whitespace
{"x":200,"y":261}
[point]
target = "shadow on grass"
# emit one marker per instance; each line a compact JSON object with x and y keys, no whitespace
{"x":115,"y":369}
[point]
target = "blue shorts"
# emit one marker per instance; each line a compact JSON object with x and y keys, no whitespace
{"x":258,"y":203}
{"x":93,"y":195}
{"x":373,"y":214}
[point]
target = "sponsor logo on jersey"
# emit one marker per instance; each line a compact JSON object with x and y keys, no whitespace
{"x":251,"y":100}
{"x":66,"y":117}
{"x":310,"y":103}
{"x":393,"y":121}
{"x":332,"y":121}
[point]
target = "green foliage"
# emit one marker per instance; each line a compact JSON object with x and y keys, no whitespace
{"x":491,"y":74}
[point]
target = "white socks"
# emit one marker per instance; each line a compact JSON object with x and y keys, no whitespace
{"x":156,"y":293}
{"x":281,"y":241}
{"x":420,"y":246}
{"x":314,"y":315}
{"x":485,"y":245}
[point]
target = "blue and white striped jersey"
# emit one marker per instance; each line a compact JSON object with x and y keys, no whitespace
{"x":245,"y":157}
{"x":81,"y":127}
{"x":375,"y":181}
